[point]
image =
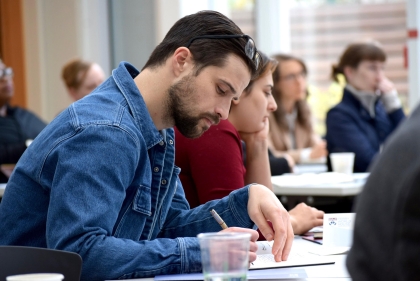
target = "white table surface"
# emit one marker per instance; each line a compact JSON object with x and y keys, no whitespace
{"x":2,"y":188}
{"x":333,"y":272}
{"x":324,"y":184}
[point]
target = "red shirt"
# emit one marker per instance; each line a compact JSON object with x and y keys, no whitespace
{"x":211,"y":165}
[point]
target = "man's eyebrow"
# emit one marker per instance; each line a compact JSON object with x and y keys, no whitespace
{"x":229,"y":85}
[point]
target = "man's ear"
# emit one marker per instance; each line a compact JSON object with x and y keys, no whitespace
{"x":181,"y":60}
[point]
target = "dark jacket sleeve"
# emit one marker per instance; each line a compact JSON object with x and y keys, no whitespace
{"x":10,"y":153}
{"x":30,"y":127}
{"x":278,"y":165}
{"x":396,"y":117}
{"x":343,"y":135}
{"x":29,"y":123}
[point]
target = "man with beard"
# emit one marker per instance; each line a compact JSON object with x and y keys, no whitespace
{"x":100,"y":180}
{"x":17,"y":125}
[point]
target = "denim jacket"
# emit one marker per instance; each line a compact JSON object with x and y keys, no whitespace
{"x":100,"y":181}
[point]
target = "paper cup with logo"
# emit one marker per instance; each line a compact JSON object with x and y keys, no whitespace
{"x":36,"y":277}
{"x":224,"y":256}
{"x":342,"y":162}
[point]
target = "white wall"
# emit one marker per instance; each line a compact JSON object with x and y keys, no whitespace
{"x":169,"y":11}
{"x":273,"y":26}
{"x":413,"y":24}
{"x":133,"y":33}
{"x":106,"y":32}
{"x":54,"y":32}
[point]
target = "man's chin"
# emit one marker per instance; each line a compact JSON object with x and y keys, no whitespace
{"x":196,"y":134}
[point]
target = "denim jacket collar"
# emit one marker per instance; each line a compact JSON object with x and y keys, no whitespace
{"x":124,"y":78}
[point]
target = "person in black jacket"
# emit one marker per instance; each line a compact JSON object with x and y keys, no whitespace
{"x":387,"y":227}
{"x":17,"y":125}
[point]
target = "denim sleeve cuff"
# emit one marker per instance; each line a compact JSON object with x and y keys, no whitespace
{"x":238,"y":203}
{"x":190,"y":254}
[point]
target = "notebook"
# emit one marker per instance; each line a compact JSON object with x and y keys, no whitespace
{"x":296,"y":258}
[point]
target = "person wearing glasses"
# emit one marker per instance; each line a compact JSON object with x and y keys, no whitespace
{"x":370,"y":109}
{"x":212,"y":166}
{"x":18,"y":126}
{"x":291,"y":130}
{"x":81,"y":77}
{"x":100,"y":179}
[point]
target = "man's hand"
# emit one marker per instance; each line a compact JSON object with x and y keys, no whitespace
{"x":264,"y":206}
{"x":253,"y":247}
{"x":304,"y":218}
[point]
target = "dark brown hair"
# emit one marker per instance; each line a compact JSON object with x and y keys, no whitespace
{"x":266,"y":65}
{"x":303,"y":112}
{"x":356,"y":53}
{"x":205,"y":52}
{"x":74,"y":72}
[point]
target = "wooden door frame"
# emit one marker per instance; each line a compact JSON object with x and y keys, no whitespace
{"x":12,"y":49}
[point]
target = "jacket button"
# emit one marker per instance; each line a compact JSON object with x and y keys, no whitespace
{"x":171,"y":141}
{"x":161,"y":143}
{"x":163,"y":182}
{"x":156,"y":169}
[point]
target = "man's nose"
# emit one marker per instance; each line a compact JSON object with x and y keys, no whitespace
{"x":223,"y":110}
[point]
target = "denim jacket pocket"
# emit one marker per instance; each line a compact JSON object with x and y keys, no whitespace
{"x":143,"y":200}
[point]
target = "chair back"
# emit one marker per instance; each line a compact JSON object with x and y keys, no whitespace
{"x":22,"y":260}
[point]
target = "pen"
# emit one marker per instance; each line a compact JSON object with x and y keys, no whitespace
{"x":218,"y":219}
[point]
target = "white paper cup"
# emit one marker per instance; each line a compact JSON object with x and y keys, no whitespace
{"x":342,"y":162}
{"x":36,"y":277}
{"x":224,"y":256}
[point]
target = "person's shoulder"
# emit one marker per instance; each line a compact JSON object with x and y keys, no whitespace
{"x":224,"y":130}
{"x":24,"y":114}
{"x":16,"y":110}
{"x":215,"y":134}
{"x":225,"y":125}
{"x":337,"y":109}
{"x":343,"y":108}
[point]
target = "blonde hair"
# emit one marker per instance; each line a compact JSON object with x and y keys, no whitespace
{"x":74,"y":72}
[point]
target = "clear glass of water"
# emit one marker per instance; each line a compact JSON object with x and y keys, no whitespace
{"x":224,"y":256}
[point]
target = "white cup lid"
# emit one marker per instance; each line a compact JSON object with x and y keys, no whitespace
{"x":36,"y":276}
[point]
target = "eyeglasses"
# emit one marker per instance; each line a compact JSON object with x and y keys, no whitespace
{"x":293,"y":76}
{"x":6,"y":73}
{"x":250,"y":49}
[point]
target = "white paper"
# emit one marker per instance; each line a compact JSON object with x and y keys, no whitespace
{"x":328,"y":251}
{"x":265,"y":258}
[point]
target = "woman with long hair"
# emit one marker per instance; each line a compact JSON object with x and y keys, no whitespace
{"x":291,"y":131}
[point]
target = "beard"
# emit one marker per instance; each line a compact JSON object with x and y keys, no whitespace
{"x":181,"y":102}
